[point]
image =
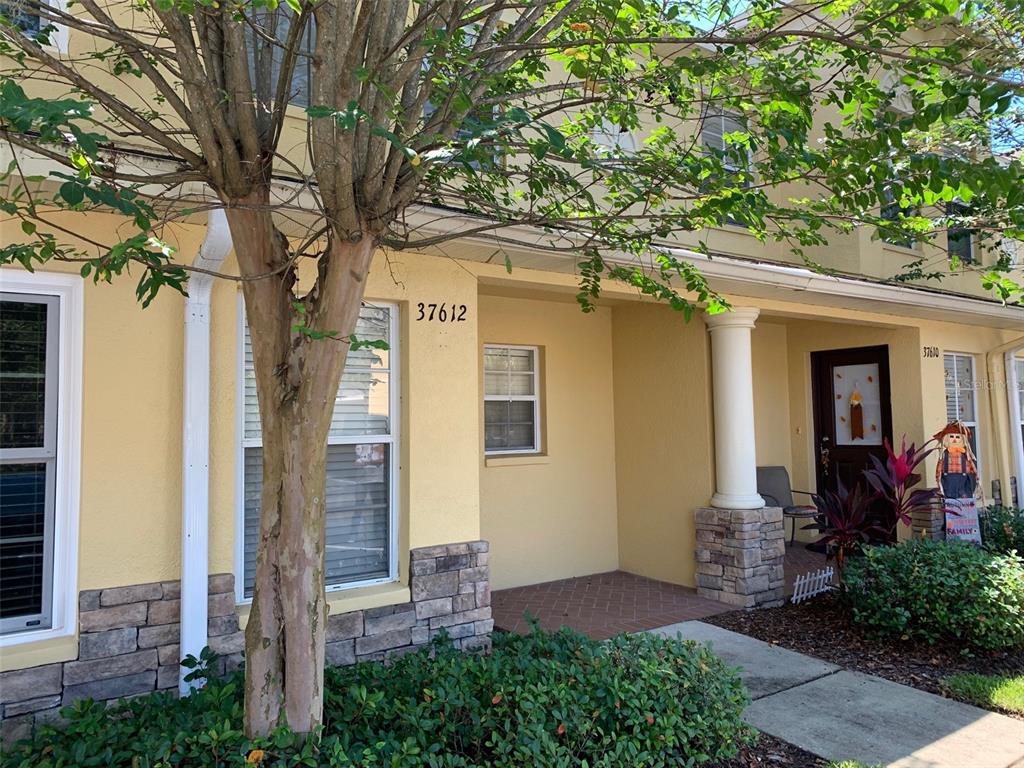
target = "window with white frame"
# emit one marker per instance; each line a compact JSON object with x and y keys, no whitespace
{"x":511,"y":399}
{"x":40,"y":390}
{"x":736,"y":159}
{"x":614,"y":137}
{"x":40,"y":27}
{"x":959,"y":239}
{"x":276,"y":24}
{"x":362,"y":461}
{"x":1019,"y":362}
{"x":962,"y":394}
{"x":28,"y":458}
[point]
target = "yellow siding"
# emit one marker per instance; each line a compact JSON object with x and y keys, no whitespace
{"x":771,"y":395}
{"x":663,"y":444}
{"x":554,"y":516}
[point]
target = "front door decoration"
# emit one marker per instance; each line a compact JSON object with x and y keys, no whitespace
{"x":956,"y":474}
{"x":858,"y":404}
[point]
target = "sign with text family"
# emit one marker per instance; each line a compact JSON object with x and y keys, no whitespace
{"x":962,"y":520}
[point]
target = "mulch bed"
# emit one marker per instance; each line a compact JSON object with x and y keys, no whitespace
{"x":821,"y":627}
{"x":771,"y":752}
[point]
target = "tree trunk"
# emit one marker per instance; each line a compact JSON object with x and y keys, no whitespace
{"x":297,"y":378}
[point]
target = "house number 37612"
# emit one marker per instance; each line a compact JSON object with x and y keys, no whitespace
{"x":441,"y":313}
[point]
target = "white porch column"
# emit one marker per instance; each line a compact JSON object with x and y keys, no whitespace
{"x":733,"y":391}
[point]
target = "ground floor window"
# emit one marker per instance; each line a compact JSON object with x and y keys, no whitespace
{"x":962,"y":394}
{"x":362,"y":461}
{"x":40,"y":391}
{"x":28,"y":458}
{"x":511,"y":399}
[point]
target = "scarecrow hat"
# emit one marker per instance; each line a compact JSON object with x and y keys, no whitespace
{"x":953,"y":428}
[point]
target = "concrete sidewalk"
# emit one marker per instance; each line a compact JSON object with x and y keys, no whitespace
{"x":841,"y":715}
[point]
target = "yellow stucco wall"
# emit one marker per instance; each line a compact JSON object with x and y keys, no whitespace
{"x":768,"y":347}
{"x":663,"y":441}
{"x":553,"y":516}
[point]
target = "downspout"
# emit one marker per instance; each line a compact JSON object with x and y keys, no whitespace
{"x":1010,"y":458}
{"x":195,"y":478}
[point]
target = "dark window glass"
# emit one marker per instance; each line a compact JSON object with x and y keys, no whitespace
{"x":22,"y":374}
{"x":959,"y":240}
{"x":22,"y":538}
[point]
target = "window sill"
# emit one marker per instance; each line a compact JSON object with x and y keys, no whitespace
{"x":510,"y":460}
{"x":359,"y":599}
{"x":33,"y":649}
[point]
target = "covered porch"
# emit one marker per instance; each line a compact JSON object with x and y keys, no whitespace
{"x":646,"y":423}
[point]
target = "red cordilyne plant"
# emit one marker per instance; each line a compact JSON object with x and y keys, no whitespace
{"x":894,"y":482}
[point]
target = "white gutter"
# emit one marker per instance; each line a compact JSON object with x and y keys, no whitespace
{"x":195,"y":476}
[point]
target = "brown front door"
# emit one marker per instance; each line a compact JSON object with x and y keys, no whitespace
{"x":852,"y":412}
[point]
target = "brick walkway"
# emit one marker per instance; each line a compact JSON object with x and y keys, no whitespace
{"x":601,"y":605}
{"x":606,"y":604}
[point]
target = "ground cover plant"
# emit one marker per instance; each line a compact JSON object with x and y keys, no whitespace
{"x":939,"y":591}
{"x":989,"y":691}
{"x":541,"y":700}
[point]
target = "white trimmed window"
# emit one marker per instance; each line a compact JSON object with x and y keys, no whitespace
{"x":962,"y":394}
{"x":32,"y":23}
{"x":511,"y":399}
{"x":614,"y":137}
{"x":362,"y":462}
{"x":40,"y":389}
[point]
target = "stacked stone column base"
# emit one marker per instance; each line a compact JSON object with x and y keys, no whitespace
{"x":929,"y":523}
{"x":741,"y":555}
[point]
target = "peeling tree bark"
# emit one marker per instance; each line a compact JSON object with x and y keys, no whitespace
{"x":297,"y":379}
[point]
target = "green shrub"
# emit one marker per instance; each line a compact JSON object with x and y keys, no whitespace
{"x":939,"y":591}
{"x":542,"y":700}
{"x":1002,"y":530}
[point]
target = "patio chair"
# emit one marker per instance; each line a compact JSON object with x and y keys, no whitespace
{"x":774,"y":487}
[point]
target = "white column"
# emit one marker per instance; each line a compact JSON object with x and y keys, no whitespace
{"x":733,"y":391}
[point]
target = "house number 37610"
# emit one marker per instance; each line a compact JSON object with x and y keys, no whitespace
{"x":441,"y":313}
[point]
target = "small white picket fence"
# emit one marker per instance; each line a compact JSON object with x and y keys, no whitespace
{"x":812,"y":583}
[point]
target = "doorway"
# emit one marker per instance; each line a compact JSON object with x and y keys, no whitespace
{"x":852,"y":412}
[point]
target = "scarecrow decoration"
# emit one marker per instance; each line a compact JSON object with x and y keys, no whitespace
{"x":957,"y":470}
{"x":957,"y":477}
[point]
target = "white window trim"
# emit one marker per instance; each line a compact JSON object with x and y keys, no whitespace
{"x":59,"y":38}
{"x":534,"y":398}
{"x":973,"y":424}
{"x":392,"y":439}
{"x":1013,"y":360}
{"x":69,"y":291}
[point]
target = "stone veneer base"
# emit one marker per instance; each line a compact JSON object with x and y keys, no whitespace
{"x":128,"y":636}
{"x":741,"y":555}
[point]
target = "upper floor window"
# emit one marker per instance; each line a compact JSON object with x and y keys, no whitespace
{"x":276,"y":24}
{"x":959,"y":239}
{"x":362,"y":462}
{"x":716,"y":126}
{"x":613,"y":137}
{"x":511,"y":399}
{"x":21,"y":17}
{"x":894,"y":212}
{"x":39,"y":26}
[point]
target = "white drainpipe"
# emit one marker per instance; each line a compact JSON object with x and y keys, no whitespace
{"x":195,"y":479}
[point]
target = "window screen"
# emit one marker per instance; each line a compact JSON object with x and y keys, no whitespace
{"x":511,"y":399}
{"x":361,"y":461}
{"x":275,"y":24}
{"x":28,"y":436}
